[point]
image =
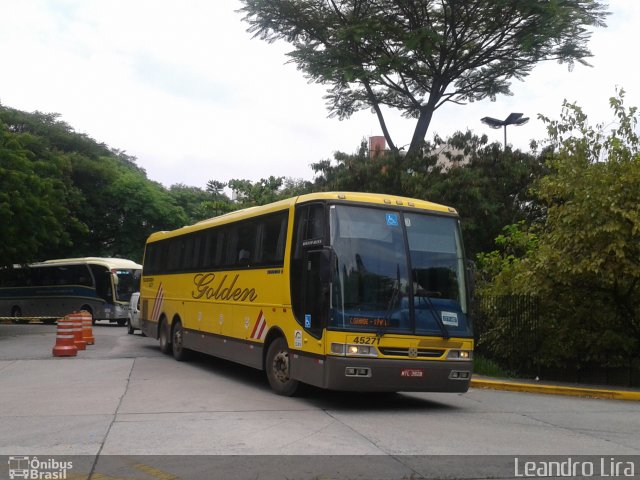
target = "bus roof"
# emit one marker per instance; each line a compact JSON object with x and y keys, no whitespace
{"x":355,"y":197}
{"x":105,"y":261}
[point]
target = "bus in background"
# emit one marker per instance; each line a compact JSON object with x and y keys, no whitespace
{"x":54,"y":288}
{"x":345,"y":291}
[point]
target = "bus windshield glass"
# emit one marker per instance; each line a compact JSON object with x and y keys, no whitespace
{"x":397,"y":272}
{"x":128,"y":282}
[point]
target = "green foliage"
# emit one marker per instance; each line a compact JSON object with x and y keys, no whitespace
{"x":261,"y":192}
{"x":487,"y":367}
{"x":249,"y":194}
{"x":416,"y":56}
{"x":585,"y":267}
{"x":199,"y":204}
{"x":63,"y":194}
{"x":34,"y":199}
{"x":487,"y":185}
{"x":514,"y":243}
{"x":361,"y":172}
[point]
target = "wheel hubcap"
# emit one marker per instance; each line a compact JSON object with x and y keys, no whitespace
{"x":281,"y":367}
{"x":177,"y":339}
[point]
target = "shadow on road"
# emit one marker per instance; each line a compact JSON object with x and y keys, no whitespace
{"x":317,"y":397}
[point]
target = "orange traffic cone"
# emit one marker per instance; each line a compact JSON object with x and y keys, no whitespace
{"x":87,"y":330}
{"x":78,"y":341}
{"x":65,"y":339}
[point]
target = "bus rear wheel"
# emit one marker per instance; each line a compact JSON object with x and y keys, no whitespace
{"x":87,"y":308}
{"x":177,"y":345}
{"x":16,"y":313}
{"x":165,"y":338}
{"x":278,"y":368}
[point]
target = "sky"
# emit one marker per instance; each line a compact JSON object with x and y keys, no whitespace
{"x":182,"y":86}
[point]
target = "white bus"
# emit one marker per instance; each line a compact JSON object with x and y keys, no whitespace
{"x":54,"y":288}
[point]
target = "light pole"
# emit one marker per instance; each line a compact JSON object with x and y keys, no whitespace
{"x":513,"y":119}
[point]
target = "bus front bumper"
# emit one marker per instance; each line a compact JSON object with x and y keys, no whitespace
{"x":385,"y":375}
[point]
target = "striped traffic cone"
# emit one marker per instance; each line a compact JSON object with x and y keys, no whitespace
{"x":87,"y":330}
{"x":79,"y":342}
{"x":65,"y":339}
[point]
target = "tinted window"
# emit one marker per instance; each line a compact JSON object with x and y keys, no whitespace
{"x":273,"y":233}
{"x":82,"y":276}
{"x":257,"y":242}
{"x":14,"y":277}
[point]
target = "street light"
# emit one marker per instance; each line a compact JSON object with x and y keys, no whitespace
{"x":513,"y":119}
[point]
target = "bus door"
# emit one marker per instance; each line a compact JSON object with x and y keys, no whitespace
{"x":315,"y":291}
{"x":104,"y":285}
{"x":309,"y":292}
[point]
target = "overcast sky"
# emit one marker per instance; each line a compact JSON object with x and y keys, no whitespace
{"x":182,"y":86}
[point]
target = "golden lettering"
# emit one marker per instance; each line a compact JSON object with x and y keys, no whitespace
{"x":206,"y":286}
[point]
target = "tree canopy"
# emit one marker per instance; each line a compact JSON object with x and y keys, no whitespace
{"x":486,"y":184}
{"x":582,"y":263}
{"x":64,"y":194}
{"x":416,"y":55}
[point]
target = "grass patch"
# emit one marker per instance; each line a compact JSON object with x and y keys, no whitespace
{"x":484,"y":366}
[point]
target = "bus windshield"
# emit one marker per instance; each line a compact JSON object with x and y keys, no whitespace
{"x":128,"y":282}
{"x":397,"y":272}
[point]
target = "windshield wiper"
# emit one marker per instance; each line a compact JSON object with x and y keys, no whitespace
{"x":443,"y":328}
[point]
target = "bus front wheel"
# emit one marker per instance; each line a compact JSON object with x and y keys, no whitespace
{"x":165,"y":338}
{"x":278,"y":368}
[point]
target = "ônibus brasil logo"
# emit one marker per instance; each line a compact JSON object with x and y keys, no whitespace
{"x":36,"y":469}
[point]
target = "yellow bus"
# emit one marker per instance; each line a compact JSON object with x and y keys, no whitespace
{"x":345,"y":291}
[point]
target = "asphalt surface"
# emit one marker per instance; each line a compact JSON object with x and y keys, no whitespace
{"x":121,"y":409}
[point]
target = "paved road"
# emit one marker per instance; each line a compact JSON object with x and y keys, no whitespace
{"x":123,"y":397}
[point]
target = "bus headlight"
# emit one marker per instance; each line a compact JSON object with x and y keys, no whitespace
{"x":460,"y":355}
{"x":353,"y":350}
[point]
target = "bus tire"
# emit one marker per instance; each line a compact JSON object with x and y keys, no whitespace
{"x":16,"y":313}
{"x":180,"y":353}
{"x":165,"y":337}
{"x":87,"y":308}
{"x":278,"y":368}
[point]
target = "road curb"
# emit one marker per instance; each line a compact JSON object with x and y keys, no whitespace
{"x":556,"y":390}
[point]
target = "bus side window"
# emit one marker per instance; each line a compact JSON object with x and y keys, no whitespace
{"x":231,"y":247}
{"x":246,"y":247}
{"x":47,"y":276}
{"x":272,"y":239}
{"x":186,"y":259}
{"x":81,"y":275}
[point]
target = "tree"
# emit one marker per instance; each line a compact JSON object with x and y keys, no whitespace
{"x":415,"y":56}
{"x":585,"y":267}
{"x":360,"y":172}
{"x":249,"y":194}
{"x":35,"y":201}
{"x":490,"y":186}
{"x":486,"y":184}
{"x":198,"y":204}
{"x":64,"y":194}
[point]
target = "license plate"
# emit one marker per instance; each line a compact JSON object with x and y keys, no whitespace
{"x":412,"y":372}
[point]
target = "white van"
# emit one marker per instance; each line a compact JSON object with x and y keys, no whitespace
{"x":133,"y":322}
